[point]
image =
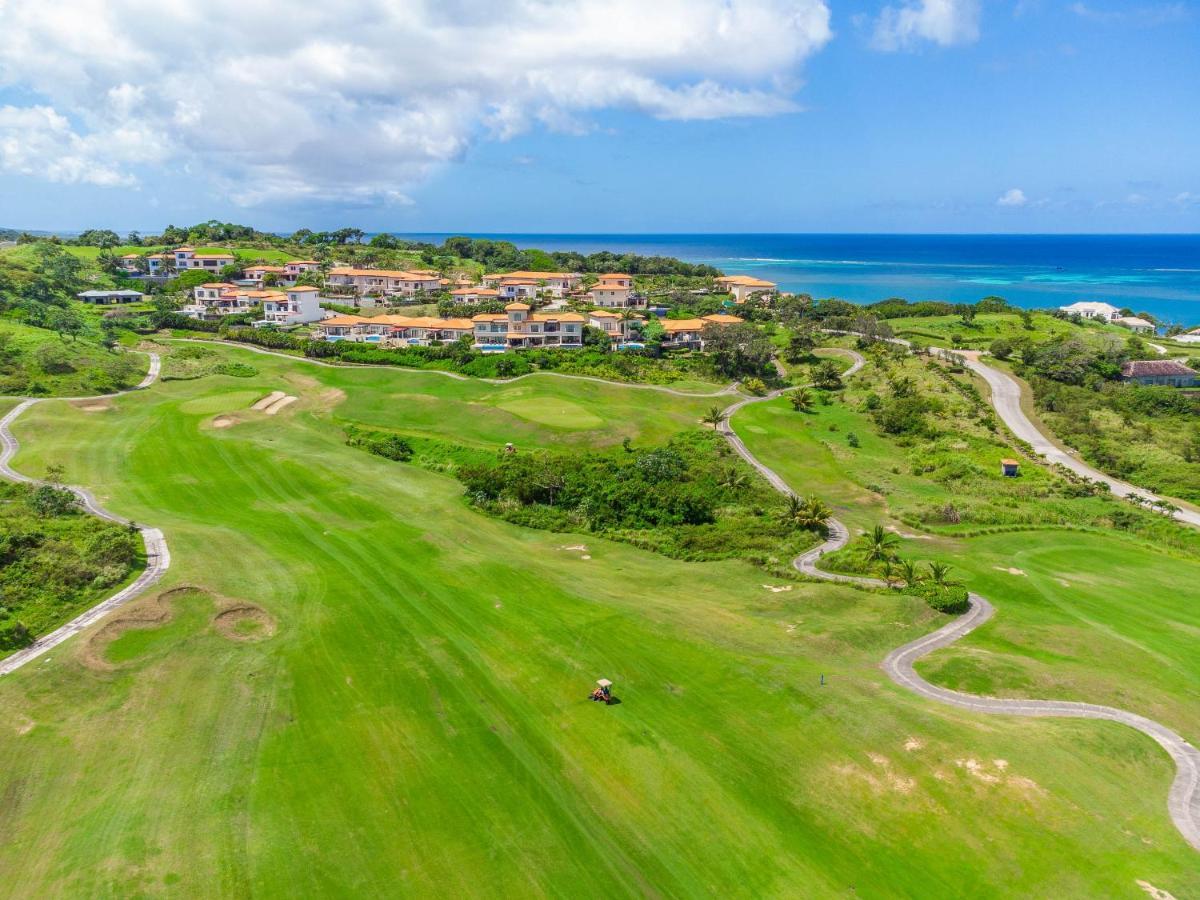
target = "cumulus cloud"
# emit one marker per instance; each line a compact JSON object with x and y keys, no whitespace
{"x":360,"y":100}
{"x":1012,"y":197}
{"x":942,"y":22}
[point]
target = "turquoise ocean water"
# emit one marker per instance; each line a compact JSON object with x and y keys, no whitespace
{"x":1158,"y":274}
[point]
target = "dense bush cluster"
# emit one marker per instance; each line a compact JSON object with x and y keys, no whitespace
{"x":53,"y":559}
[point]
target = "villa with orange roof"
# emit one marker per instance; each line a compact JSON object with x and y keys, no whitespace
{"x":689,"y":333}
{"x":384,"y":282}
{"x":393,"y":330}
{"x":258,"y":272}
{"x":619,"y":328}
{"x":513,"y":285}
{"x":214,"y":299}
{"x":518,"y":328}
{"x":294,"y":268}
{"x":743,"y":286}
{"x":613,"y":291}
{"x":474,"y":294}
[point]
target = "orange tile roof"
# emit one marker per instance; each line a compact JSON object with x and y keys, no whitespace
{"x":302,"y":289}
{"x":343,"y":320}
{"x":516,"y":306}
{"x":490,"y":317}
{"x":612,"y":276}
{"x":482,"y":292}
{"x":214,"y":284}
{"x":381,"y":273}
{"x":302,"y":262}
{"x":264,"y":268}
{"x":538,"y":276}
{"x":558,"y":317}
{"x":723,"y":319}
{"x":745,"y":281}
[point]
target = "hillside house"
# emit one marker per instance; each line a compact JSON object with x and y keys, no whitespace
{"x":474,"y":295}
{"x":742,"y":287}
{"x":257,"y":273}
{"x":296,"y":306}
{"x":187,"y":258}
{"x":110,"y":298}
{"x":214,"y":299}
{"x":554,"y":284}
{"x":620,"y":330}
{"x":688,"y":333}
{"x":613,"y":291}
{"x":1167,"y":372}
{"x":393,"y":330}
{"x":1135,"y":324}
{"x":1088,"y":309}
{"x":517,"y":328}
{"x":294,"y":268}
{"x":384,"y":282}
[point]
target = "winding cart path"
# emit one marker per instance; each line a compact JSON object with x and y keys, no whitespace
{"x":1183,"y":800}
{"x":158,"y":557}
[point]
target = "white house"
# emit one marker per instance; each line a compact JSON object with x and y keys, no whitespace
{"x":474,"y":294}
{"x":1090,"y":309}
{"x":687,"y":333}
{"x":216,"y":299}
{"x":613,"y":291}
{"x":297,"y":306}
{"x":1135,"y":324}
{"x":1190,"y":337}
{"x":383,"y":282}
{"x":618,"y":328}
{"x":743,"y":286}
{"x":187,"y":258}
{"x":556,"y":284}
{"x":294,"y":268}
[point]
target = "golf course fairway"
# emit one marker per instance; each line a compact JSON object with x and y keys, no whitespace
{"x":367,"y":688}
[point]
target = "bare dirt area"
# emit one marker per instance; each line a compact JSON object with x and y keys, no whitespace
{"x":224,"y":422}
{"x":244,"y":622}
{"x":92,"y":405}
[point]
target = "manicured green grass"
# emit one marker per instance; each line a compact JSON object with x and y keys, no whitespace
{"x":985,"y":328}
{"x":1095,"y":616}
{"x":418,"y":725}
{"x":81,"y":367}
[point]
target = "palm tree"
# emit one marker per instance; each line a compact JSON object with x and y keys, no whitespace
{"x":879,"y":544}
{"x":714,"y":417}
{"x":909,"y":572}
{"x":939,"y":574}
{"x":802,"y":400}
{"x":734,"y":478}
{"x":809,"y":512}
{"x":888,"y":570}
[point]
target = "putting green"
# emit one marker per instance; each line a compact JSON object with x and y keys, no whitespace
{"x":417,"y":723}
{"x":230,"y":401}
{"x":555,"y":413}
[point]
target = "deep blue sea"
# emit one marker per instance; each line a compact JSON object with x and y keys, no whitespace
{"x":1158,"y":274}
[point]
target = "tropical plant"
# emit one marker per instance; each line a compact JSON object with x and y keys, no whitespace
{"x":734,"y":478}
{"x":826,"y":375}
{"x":714,"y":417}
{"x":879,"y":544}
{"x":809,"y":512}
{"x":909,"y":573}
{"x":939,"y":574}
{"x":801,"y":400}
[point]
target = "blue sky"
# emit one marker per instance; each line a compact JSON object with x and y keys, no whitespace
{"x":713,"y":115}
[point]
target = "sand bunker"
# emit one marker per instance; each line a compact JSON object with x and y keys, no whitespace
{"x":271,"y":398}
{"x":244,"y":622}
{"x":152,"y":613}
{"x":92,"y":405}
{"x":279,"y":404}
{"x":1010,"y":570}
{"x":775,"y":589}
{"x":223,"y":421}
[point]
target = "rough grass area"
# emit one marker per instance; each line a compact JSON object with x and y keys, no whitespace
{"x":37,"y":362}
{"x":55,"y":561}
{"x":418,"y":723}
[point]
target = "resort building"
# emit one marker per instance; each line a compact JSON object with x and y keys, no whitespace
{"x":214,"y":299}
{"x":108,"y":298}
{"x":187,"y":258}
{"x":294,"y":268}
{"x":393,"y":330}
{"x":295,"y":307}
{"x":474,"y":295}
{"x":619,"y":328}
{"x":689,"y":333}
{"x":532,"y":284}
{"x":257,"y":273}
{"x":384,"y":282}
{"x":517,"y":327}
{"x":1189,"y":337}
{"x":129,"y":262}
{"x":613,"y":291}
{"x":742,"y":287}
{"x":1135,"y":324}
{"x":1165,"y":372}
{"x":1088,"y":309}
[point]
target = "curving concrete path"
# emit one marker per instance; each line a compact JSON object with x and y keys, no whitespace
{"x":158,"y":557}
{"x":1006,"y":400}
{"x":1183,"y":799}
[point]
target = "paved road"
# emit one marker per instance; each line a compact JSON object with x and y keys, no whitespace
{"x":1006,"y":399}
{"x":158,"y":557}
{"x":1183,"y":800}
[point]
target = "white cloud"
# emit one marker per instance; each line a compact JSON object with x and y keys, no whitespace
{"x":943,"y":22}
{"x":362,"y":100}
{"x":1147,"y":16}
{"x":1012,"y":197}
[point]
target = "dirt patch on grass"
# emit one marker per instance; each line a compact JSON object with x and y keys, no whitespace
{"x":1155,"y":892}
{"x":92,"y":405}
{"x":153,"y":612}
{"x":329,"y":398}
{"x":244,"y":622}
